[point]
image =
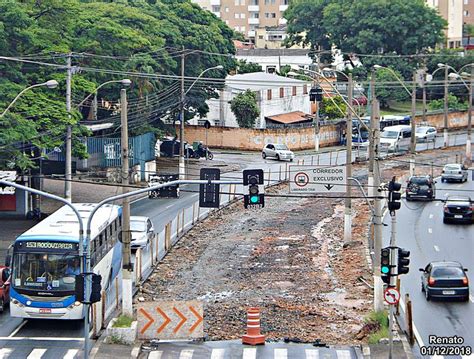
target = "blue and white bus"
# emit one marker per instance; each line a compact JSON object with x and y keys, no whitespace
{"x":46,"y":258}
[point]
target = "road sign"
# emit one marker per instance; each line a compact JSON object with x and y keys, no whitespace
{"x":391,"y":296}
{"x":318,"y":179}
{"x":209,"y":193}
{"x":170,"y":320}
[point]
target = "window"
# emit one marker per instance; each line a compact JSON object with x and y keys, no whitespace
{"x":466,"y":13}
{"x":236,"y":15}
{"x":242,"y":16}
{"x":260,"y":37}
{"x":254,"y":15}
{"x":216,"y":8}
{"x":284,"y":2}
{"x":282,"y":92}
{"x":305,"y":89}
{"x":294,"y":91}
{"x":466,"y":2}
{"x":268,"y":2}
{"x":226,"y":9}
{"x":242,"y":28}
{"x":269,"y":94}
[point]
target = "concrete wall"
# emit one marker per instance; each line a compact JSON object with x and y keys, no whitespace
{"x":456,"y":120}
{"x":246,"y":139}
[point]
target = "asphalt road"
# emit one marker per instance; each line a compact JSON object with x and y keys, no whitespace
{"x":420,"y":229}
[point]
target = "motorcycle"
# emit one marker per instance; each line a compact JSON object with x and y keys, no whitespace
{"x":203,"y":151}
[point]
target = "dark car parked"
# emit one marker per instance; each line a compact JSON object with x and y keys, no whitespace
{"x":445,"y":280}
{"x":420,"y":187}
{"x":458,"y":209}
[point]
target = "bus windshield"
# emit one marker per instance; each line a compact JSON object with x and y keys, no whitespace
{"x":389,"y":134}
{"x":45,"y":271}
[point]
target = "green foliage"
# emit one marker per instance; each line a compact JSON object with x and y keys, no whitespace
{"x":365,"y":27}
{"x":453,"y":104}
{"x":123,"y":321}
{"x":244,"y":67}
{"x":136,"y":36}
{"x":329,"y":109}
{"x":376,"y":324}
{"x":284,"y":70}
{"x":244,"y":106}
{"x":389,"y":88}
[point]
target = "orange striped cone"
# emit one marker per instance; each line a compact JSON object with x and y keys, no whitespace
{"x":253,"y":336}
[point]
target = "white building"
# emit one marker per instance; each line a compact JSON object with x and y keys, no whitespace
{"x":276,"y":95}
{"x":272,"y":59}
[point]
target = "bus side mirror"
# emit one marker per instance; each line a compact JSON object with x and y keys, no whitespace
{"x":8,"y":259}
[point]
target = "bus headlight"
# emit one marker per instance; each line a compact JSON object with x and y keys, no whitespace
{"x":28,"y":302}
{"x":76,"y":303}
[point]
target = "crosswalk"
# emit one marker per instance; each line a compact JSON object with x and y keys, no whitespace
{"x":251,"y":353}
{"x":38,"y":353}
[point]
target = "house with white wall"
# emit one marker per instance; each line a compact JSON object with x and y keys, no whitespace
{"x":276,"y":95}
{"x":272,"y":60}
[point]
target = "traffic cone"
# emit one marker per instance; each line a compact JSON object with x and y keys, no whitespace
{"x":253,"y":336}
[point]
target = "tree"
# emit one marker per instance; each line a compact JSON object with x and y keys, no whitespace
{"x":395,"y":27}
{"x":329,"y":109}
{"x":453,"y":103}
{"x":244,"y":67}
{"x":245,"y":109}
{"x":388,"y":88}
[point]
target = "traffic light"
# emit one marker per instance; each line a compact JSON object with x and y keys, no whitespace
{"x":403,"y":261}
{"x":252,"y":179}
{"x":316,"y":94}
{"x":79,"y":287}
{"x":96,"y":288}
{"x":394,"y":195}
{"x":385,"y":265}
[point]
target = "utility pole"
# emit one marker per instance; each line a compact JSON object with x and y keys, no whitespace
{"x":469,"y":122}
{"x":68,"y":169}
{"x":378,"y":214}
{"x":370,"y":180}
{"x":413,"y":114}
{"x":348,"y":201}
{"x":127,"y":267}
{"x":181,"y":129}
{"x":393,"y":232}
{"x":445,"y":130}
{"x":424,"y":97}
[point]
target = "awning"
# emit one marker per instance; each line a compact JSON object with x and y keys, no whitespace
{"x":291,"y":117}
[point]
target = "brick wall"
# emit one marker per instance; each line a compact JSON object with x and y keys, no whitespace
{"x":254,"y":139}
{"x":455,"y":120}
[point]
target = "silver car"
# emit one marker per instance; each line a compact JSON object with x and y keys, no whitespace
{"x":454,"y":172}
{"x":425,"y":134}
{"x":142,"y":231}
{"x":278,"y":151}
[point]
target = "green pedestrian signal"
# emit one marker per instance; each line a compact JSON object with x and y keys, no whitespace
{"x":252,"y":179}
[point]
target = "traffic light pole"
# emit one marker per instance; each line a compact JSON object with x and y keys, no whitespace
{"x":393,"y":280}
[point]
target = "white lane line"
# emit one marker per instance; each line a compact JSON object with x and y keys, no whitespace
{"x":431,"y":215}
{"x":5,"y":353}
{"x":471,"y":298}
{"x":155,"y":354}
{"x":168,"y":207}
{"x":415,"y":330}
{"x":186,"y":354}
{"x":249,"y":353}
{"x":217,"y":353}
{"x":36,"y":354}
{"x":280,"y":353}
{"x":437,"y":204}
{"x":18,"y":328}
{"x":42,"y":339}
{"x":430,"y":230}
{"x":436,"y":248}
{"x":343,"y":354}
{"x":312,"y":353}
{"x":71,"y":354}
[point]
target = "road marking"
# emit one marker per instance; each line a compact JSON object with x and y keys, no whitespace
{"x":312,"y":353}
{"x":155,"y":354}
{"x":471,"y":298}
{"x":437,"y":204}
{"x":18,"y":328}
{"x":431,"y":215}
{"x":430,"y":230}
{"x":186,"y":354}
{"x":5,"y":353}
{"x":36,"y":354}
{"x":280,"y":353}
{"x":71,"y":354}
{"x":168,"y":207}
{"x":217,"y":353}
{"x":249,"y":353}
{"x":42,"y":339}
{"x":343,"y":354}
{"x":415,"y":330}
{"x":436,"y":248}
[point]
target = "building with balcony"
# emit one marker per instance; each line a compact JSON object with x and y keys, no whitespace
{"x":452,"y":11}
{"x":272,"y":60}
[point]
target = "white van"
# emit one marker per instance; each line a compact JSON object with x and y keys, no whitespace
{"x":395,"y":138}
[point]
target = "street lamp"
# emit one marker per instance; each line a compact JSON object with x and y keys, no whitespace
{"x":413,"y":104}
{"x":49,"y":84}
{"x":124,"y":82}
{"x":445,"y":125}
{"x":181,"y":115}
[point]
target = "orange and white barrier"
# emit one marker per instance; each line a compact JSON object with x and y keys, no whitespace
{"x":253,"y":336}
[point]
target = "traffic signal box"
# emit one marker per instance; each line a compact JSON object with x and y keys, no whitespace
{"x":386,"y":265}
{"x":403,"y":261}
{"x":391,"y":267}
{"x":394,"y":195}
{"x":95,"y":290}
{"x":252,"y":179}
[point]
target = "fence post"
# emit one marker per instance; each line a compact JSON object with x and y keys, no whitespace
{"x":312,"y":160}
{"x":199,"y":213}
{"x":397,"y":307}
{"x":330,"y":158}
{"x":177,"y":225}
{"x":194,"y":209}
{"x":318,"y":160}
{"x":287,"y":175}
{"x":157,"y":247}
{"x":116,"y":293}
{"x":182,"y":223}
{"x":269,"y":176}
{"x":337,"y":156}
{"x":151,"y":249}
{"x":411,"y":337}
{"x":168,"y":236}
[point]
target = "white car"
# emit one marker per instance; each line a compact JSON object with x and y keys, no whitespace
{"x":425,"y":134}
{"x":142,"y":231}
{"x":454,"y":172}
{"x":278,"y":151}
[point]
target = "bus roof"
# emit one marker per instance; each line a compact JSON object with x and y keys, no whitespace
{"x":63,"y":223}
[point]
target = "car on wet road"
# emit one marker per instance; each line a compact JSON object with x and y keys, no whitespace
{"x":445,"y":279}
